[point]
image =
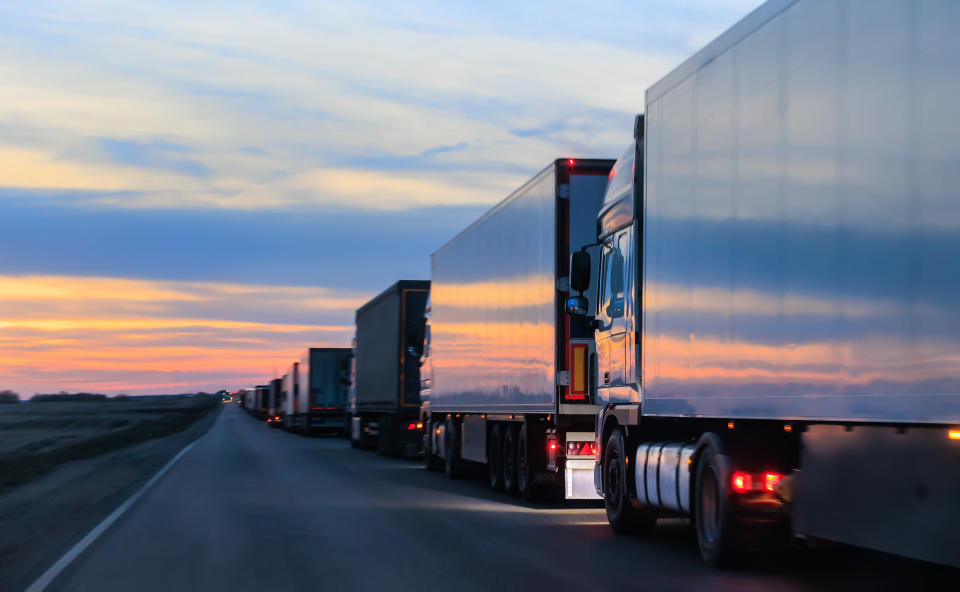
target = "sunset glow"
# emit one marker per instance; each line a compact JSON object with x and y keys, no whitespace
{"x":192,"y":193}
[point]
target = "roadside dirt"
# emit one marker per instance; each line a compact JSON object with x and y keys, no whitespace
{"x":37,"y":436}
{"x":40,"y":520}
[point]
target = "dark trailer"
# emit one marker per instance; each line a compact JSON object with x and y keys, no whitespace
{"x":386,"y":398}
{"x":324,"y":386}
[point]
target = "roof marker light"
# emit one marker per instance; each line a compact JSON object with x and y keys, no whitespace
{"x":571,"y":162}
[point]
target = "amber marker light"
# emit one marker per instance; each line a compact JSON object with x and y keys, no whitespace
{"x":954,"y":434}
{"x":730,"y":425}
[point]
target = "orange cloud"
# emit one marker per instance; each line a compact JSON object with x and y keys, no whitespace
{"x":120,"y":335}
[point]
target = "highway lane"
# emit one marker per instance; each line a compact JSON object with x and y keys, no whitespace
{"x":251,"y":508}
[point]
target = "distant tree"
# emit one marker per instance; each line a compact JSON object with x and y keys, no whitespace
{"x":63,"y":396}
{"x":8,"y":396}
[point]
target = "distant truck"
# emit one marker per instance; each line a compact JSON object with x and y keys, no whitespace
{"x":290,"y":389}
{"x":262,"y":397}
{"x":275,"y":403}
{"x":248,"y":399}
{"x":777,"y":320}
{"x":324,"y":384}
{"x":505,"y":372}
{"x":385,"y":397}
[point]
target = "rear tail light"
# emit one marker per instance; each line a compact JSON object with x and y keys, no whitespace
{"x":770,"y":480}
{"x":581,"y":449}
{"x":742,"y":482}
{"x":552,"y":445}
{"x":412,"y":426}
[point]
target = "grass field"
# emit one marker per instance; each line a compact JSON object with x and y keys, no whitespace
{"x":37,"y":436}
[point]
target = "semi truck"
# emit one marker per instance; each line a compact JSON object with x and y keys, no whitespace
{"x":290,"y":385}
{"x":261,"y":397}
{"x":385,"y":397}
{"x":275,"y":403}
{"x":248,"y":399}
{"x":776,"y":265}
{"x":322,"y":394}
{"x":505,"y":369}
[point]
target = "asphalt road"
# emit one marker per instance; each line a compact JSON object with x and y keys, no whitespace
{"x":251,"y":508}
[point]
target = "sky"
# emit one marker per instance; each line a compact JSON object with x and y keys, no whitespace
{"x":193,"y":192}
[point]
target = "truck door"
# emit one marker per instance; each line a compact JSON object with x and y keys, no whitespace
{"x":611,"y":314}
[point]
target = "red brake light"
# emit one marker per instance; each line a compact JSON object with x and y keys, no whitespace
{"x":412,"y":426}
{"x":551,"y":451}
{"x":770,"y":480}
{"x":581,"y":449}
{"x":741,"y":482}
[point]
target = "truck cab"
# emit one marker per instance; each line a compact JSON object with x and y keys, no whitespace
{"x":617,"y":272}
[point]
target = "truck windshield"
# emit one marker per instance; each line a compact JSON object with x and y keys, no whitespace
{"x":621,"y":177}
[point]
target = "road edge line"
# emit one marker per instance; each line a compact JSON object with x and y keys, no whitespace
{"x":51,"y":574}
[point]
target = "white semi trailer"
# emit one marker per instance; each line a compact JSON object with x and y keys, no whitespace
{"x":505,"y":373}
{"x":778,"y":267}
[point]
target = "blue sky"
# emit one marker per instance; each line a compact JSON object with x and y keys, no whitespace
{"x":209,"y":160}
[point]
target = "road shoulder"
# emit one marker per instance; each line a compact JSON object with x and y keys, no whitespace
{"x":43,"y":519}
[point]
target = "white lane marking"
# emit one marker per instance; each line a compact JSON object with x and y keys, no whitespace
{"x":54,"y":571}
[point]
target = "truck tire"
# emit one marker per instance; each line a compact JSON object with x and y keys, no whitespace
{"x":509,"y":458}
{"x":430,"y":459}
{"x":526,"y":464}
{"x":386,"y":437}
{"x":713,"y":518}
{"x":495,"y":457}
{"x":624,"y":517}
{"x":366,"y":440}
{"x":451,"y":459}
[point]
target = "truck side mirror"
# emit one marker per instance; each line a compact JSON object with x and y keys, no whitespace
{"x":580,"y":271}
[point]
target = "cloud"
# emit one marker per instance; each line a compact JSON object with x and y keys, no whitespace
{"x":154,"y":154}
{"x":545,"y":129}
{"x":177,"y":178}
{"x":311,"y":90}
{"x":352,"y":248}
{"x":65,"y":332}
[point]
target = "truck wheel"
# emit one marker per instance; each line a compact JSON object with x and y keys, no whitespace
{"x":712,"y":510}
{"x":385,"y":438}
{"x":509,"y":459}
{"x":495,"y":458}
{"x":451,"y":464}
{"x":430,"y":459}
{"x":623,"y":516}
{"x":366,"y":440}
{"x":525,"y":469}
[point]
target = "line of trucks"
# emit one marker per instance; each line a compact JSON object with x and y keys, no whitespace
{"x":750,"y":319}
